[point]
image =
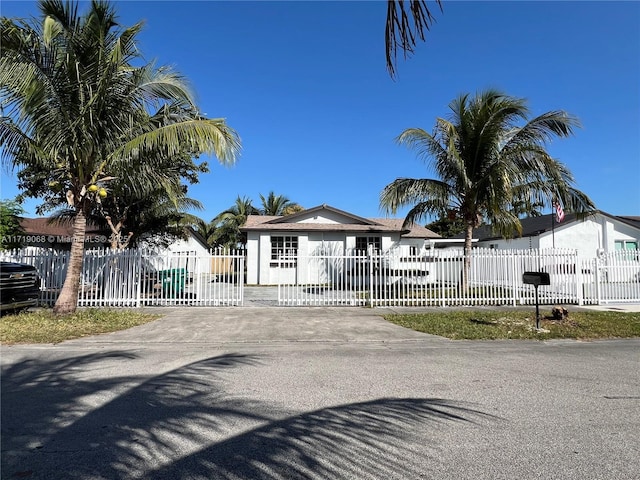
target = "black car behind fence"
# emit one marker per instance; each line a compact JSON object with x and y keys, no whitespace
{"x":19,"y":286}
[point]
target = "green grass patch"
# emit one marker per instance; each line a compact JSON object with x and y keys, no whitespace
{"x":520,"y":324}
{"x":43,"y":326}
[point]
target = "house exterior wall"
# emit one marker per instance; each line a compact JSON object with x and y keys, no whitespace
{"x":326,"y":217}
{"x":597,"y":233}
{"x":253,"y":257}
{"x":332,"y":243}
{"x":512,"y":243}
{"x":584,"y":236}
{"x":191,"y":255}
{"x":262,"y":270}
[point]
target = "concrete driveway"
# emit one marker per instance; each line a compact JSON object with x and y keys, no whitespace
{"x":316,"y":393}
{"x":225,"y":325}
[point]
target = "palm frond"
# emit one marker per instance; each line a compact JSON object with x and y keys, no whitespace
{"x":407,"y":191}
{"x":402,"y":32}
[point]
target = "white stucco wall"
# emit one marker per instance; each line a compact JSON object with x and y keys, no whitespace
{"x":253,"y":257}
{"x":586,"y":236}
{"x":521,"y":243}
{"x":326,"y":217}
{"x":189,"y":245}
{"x":189,"y":254}
{"x":261,"y":270}
{"x":583,"y":236}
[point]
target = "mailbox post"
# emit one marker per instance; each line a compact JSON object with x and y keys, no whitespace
{"x":536,"y":279}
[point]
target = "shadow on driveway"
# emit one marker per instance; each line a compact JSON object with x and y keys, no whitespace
{"x":59,"y":423}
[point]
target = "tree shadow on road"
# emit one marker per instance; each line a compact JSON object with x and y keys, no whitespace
{"x":381,"y":439}
{"x":57,"y":424}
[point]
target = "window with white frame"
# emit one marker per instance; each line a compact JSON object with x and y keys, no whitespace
{"x":284,"y":247}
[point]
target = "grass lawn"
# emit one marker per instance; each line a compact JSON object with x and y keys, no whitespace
{"x":520,"y":324}
{"x":43,"y":326}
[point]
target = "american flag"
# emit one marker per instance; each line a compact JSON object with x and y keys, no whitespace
{"x":559,"y":212}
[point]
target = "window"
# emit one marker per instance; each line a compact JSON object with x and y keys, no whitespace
{"x":284,"y":246}
{"x":413,"y":251}
{"x":362,"y":244}
{"x":626,"y":245}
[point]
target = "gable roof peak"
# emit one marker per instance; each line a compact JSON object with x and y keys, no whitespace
{"x":292,"y":218}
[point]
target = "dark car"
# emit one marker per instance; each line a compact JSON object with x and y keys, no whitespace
{"x":19,"y":286}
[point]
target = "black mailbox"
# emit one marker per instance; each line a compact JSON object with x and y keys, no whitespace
{"x":536,"y":278}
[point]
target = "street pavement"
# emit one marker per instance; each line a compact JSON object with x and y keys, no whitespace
{"x":316,"y":393}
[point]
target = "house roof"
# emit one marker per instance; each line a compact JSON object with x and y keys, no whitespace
{"x":357,"y":224}
{"x":197,"y":237}
{"x":631,"y":220}
{"x":47,"y":226}
{"x":533,"y":226}
{"x":324,"y":207}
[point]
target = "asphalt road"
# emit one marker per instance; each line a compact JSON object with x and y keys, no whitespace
{"x":316,"y":393}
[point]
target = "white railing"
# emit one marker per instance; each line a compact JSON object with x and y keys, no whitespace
{"x":135,"y":278}
{"x":436,"y":278}
{"x":612,"y":278}
{"x":324,"y":280}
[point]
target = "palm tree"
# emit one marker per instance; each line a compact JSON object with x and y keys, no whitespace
{"x":228,"y":222}
{"x":275,"y":205}
{"x":206,"y":229}
{"x":488,"y":166}
{"x":76,"y":101}
{"x":403,"y":33}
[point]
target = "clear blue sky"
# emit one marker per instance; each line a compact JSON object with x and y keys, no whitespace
{"x":305,"y":86}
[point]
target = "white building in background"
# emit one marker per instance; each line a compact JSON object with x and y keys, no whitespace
{"x":595,"y":235}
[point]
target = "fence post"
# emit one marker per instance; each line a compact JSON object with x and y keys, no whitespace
{"x":241,"y":258}
{"x":596,"y":270}
{"x":579,"y":280}
{"x":443,"y":302}
{"x":371,"y":289}
{"x":140,"y":279}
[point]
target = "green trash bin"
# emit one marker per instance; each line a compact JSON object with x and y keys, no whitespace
{"x":172,"y":282}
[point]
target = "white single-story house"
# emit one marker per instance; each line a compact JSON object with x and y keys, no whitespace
{"x":594,"y":235}
{"x":323,"y":230}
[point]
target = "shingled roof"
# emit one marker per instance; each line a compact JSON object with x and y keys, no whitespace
{"x":45,"y":226}
{"x":357,"y":224}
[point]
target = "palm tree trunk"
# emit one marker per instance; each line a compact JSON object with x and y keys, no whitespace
{"x":68,"y":300}
{"x":468,"y":235}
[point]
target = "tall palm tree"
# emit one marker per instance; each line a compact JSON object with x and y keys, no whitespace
{"x":76,"y":99}
{"x":229,"y":222}
{"x":488,"y":166}
{"x":275,"y":204}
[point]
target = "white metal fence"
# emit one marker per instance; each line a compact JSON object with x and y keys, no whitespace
{"x":435,"y":279}
{"x":135,"y":278}
{"x":612,"y":278}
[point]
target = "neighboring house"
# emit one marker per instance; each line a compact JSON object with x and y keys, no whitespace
{"x":323,"y":230}
{"x":190,"y":253}
{"x":58,"y":235}
{"x":596,"y":234}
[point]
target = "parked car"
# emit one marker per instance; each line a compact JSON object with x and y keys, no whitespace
{"x":19,"y":286}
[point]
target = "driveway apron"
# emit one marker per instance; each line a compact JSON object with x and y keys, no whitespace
{"x":223,"y":325}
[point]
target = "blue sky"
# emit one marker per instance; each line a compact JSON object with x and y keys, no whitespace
{"x":305,"y":86}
